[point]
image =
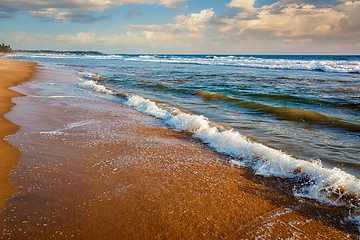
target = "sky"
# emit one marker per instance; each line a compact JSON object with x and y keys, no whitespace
{"x":183,"y":26}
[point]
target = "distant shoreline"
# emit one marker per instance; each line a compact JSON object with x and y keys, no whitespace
{"x":55,"y":51}
{"x":47,"y":51}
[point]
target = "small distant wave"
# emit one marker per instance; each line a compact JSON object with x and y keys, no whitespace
{"x":92,"y":76}
{"x":288,"y":113}
{"x":211,"y":95}
{"x":161,"y":87}
{"x":308,"y":101}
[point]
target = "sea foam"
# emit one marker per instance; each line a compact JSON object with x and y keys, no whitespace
{"x":96,"y":87}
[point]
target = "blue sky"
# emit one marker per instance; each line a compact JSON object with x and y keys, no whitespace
{"x":183,"y":26}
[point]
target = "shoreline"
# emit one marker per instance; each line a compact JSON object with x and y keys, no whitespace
{"x":12,"y":73}
{"x":91,"y":168}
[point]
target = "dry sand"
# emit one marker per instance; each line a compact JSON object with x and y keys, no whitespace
{"x":11,"y":74}
{"x":118,"y":174}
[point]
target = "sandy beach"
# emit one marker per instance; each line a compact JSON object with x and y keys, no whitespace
{"x":11,"y":74}
{"x":87,"y":173}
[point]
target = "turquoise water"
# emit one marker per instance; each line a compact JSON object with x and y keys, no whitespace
{"x":297,"y":114}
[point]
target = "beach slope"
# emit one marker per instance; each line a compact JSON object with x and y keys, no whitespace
{"x":11,"y":73}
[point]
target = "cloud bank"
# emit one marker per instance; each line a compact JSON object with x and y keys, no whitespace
{"x":71,"y":10}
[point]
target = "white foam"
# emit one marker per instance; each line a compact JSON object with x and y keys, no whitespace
{"x":68,"y":127}
{"x":79,"y":124}
{"x":89,"y":84}
{"x":146,"y":106}
{"x":55,"y":132}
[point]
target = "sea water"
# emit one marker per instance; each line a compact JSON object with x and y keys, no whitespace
{"x":288,"y":116}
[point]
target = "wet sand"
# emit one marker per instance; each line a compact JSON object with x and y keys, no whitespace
{"x":96,"y":169}
{"x":11,"y":74}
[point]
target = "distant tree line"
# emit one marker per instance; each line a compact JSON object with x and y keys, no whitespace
{"x":60,"y":52}
{"x":5,"y":48}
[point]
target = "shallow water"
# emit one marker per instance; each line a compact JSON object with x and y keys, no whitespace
{"x":297,"y":114}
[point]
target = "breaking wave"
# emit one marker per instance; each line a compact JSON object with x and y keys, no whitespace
{"x":96,"y":87}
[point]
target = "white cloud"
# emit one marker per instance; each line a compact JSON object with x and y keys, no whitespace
{"x":245,"y":5}
{"x":145,"y":42}
{"x":175,"y":4}
{"x":194,"y":23}
{"x":80,"y":38}
{"x":197,"y":21}
{"x":184,"y":32}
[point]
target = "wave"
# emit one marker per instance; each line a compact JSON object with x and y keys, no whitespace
{"x":163,"y":88}
{"x":332,"y":186}
{"x":212,"y":95}
{"x":317,"y":102}
{"x":94,"y":76}
{"x":329,"y":185}
{"x":92,"y":85}
{"x":334,"y":66}
{"x":287,"y":113}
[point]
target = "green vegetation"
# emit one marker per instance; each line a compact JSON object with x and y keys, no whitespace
{"x":5,"y":48}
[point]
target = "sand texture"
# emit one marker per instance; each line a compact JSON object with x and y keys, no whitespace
{"x":11,"y":74}
{"x":95,"y":169}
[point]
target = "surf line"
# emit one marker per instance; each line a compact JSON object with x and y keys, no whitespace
{"x":332,"y":186}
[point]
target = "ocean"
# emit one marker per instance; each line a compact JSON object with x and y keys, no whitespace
{"x":295,"y":117}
